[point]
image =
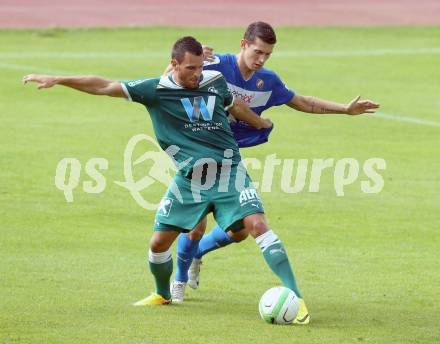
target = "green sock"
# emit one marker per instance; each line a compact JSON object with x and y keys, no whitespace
{"x":277,"y":259}
{"x":161,"y":271}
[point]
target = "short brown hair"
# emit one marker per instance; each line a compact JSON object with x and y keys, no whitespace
{"x":262,"y":31}
{"x":186,"y":44}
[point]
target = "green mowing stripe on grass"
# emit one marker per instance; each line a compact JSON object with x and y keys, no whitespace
{"x":163,"y":55}
{"x":32,"y":68}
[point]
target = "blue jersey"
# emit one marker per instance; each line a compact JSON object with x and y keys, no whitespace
{"x":262,"y":91}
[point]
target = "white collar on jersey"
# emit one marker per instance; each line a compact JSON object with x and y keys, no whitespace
{"x":208,"y":76}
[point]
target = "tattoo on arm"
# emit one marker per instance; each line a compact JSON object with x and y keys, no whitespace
{"x":325,"y":110}
{"x":320,"y":106}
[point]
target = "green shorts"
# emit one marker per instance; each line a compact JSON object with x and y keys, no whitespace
{"x":187,"y":201}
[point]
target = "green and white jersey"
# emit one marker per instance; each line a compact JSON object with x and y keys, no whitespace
{"x":194,"y":120}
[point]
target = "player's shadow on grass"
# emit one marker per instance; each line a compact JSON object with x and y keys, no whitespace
{"x":335,"y":315}
{"x":196,"y":300}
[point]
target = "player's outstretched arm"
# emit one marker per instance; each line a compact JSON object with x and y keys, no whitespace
{"x":315,"y":105}
{"x":89,"y":84}
{"x":242,"y":112}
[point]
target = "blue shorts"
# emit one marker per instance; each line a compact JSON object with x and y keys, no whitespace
{"x":247,"y":136}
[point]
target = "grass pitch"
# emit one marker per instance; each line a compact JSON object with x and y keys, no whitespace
{"x":367,"y":263}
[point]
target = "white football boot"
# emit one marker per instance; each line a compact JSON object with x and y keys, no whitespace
{"x":178,"y":291}
{"x":194,"y":273}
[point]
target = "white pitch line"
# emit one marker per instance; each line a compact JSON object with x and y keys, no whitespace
{"x":280,"y":54}
{"x":37,"y":69}
{"x":359,"y":53}
{"x":84,"y":55}
{"x":412,"y":120}
{"x":32,"y":69}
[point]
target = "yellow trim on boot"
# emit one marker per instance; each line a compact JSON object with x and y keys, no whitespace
{"x":303,"y":317}
{"x":153,"y":299}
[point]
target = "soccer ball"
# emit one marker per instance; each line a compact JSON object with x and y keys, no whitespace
{"x":279,"y":305}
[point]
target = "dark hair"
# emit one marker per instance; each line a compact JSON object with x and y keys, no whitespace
{"x":262,"y":31}
{"x":186,"y":44}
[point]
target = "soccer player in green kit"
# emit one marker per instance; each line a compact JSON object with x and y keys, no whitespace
{"x":188,"y":112}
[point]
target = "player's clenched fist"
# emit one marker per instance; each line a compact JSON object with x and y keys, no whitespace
{"x":208,"y":53}
{"x":267,"y":123}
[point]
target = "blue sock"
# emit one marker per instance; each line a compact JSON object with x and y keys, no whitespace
{"x":215,"y":239}
{"x":186,"y":249}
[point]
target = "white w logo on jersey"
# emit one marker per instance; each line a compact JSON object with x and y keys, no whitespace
{"x":199,"y":107}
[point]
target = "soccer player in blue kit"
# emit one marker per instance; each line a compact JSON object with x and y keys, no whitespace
{"x":260,"y":89}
